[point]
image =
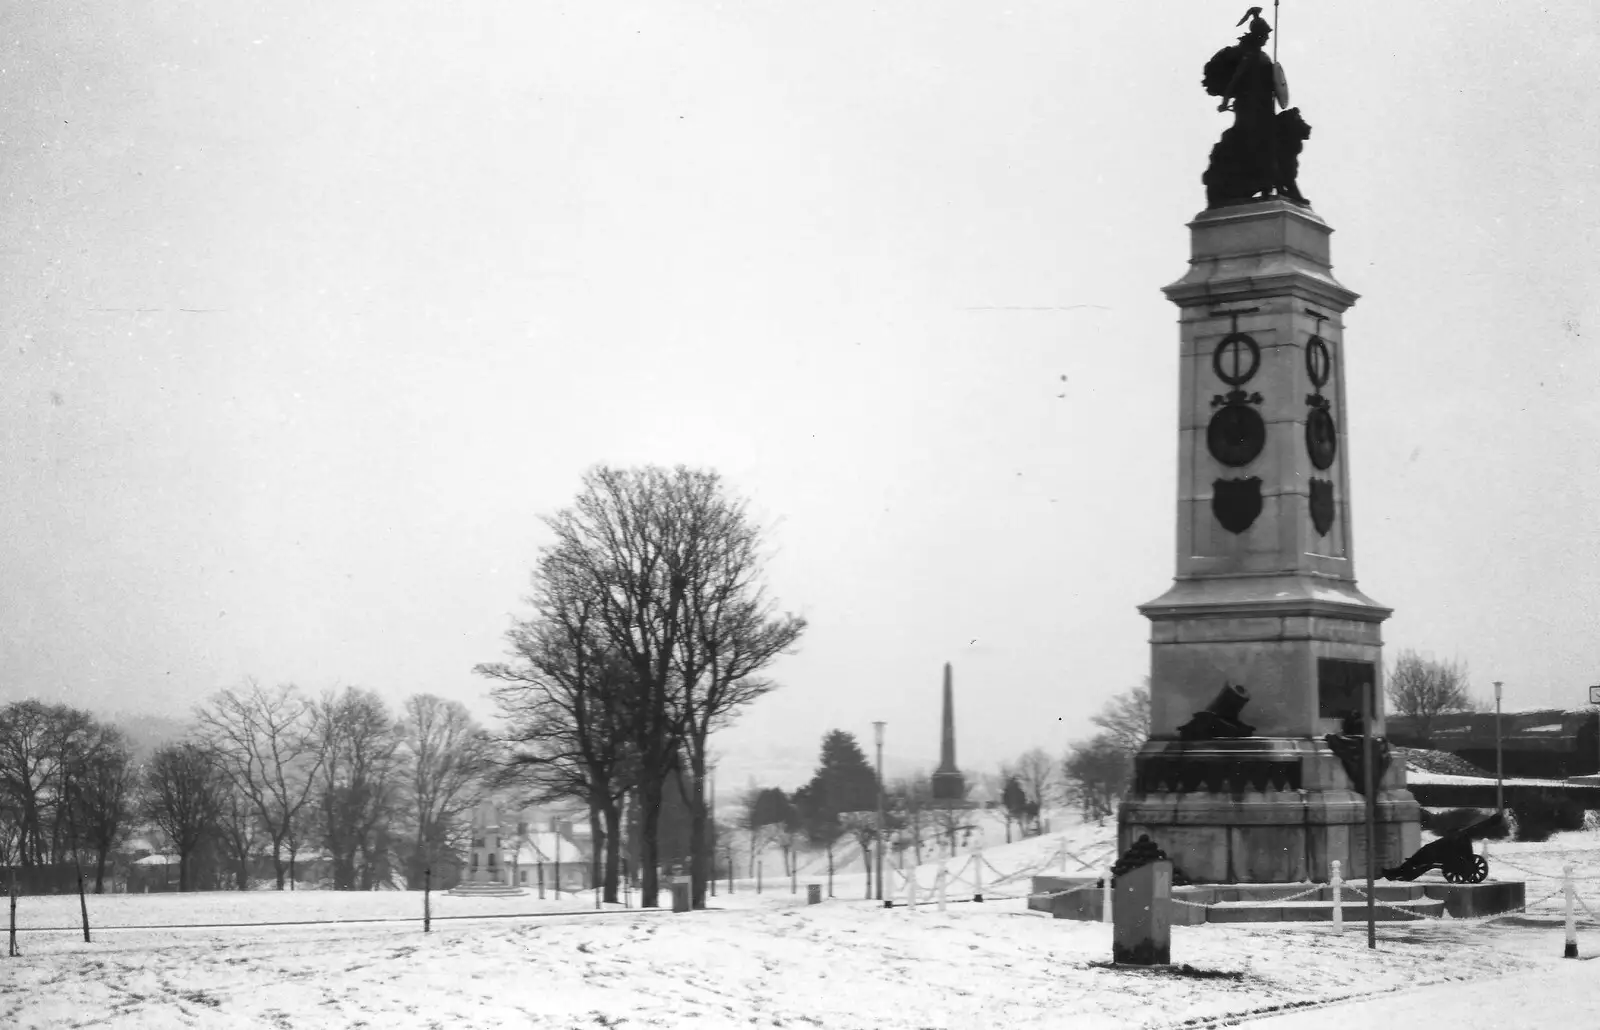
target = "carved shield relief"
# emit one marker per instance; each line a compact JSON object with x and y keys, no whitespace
{"x":1236,"y":502}
{"x":1322,"y":508}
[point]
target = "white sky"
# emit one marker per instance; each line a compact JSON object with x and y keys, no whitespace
{"x":446,"y":258}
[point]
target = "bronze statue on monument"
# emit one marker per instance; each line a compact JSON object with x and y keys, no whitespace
{"x":1260,"y":154}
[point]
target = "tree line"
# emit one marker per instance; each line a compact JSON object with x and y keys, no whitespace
{"x":262,"y":775}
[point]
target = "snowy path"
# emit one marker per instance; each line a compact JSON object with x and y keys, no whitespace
{"x":761,"y":962}
{"x":1564,"y":995}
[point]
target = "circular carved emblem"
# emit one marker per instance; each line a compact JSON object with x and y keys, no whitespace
{"x":1236,"y":435}
{"x":1322,"y":440}
{"x":1319,"y":361}
{"x":1236,"y":359}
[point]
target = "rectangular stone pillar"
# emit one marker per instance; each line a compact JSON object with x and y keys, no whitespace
{"x":1141,"y":917}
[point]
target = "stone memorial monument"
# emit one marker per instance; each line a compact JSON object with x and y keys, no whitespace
{"x":1264,"y":648}
{"x":949,"y":786}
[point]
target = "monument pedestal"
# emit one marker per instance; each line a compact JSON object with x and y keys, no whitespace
{"x":1262,"y":810}
{"x":1265,"y":595}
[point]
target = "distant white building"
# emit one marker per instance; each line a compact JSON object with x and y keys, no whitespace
{"x":522,"y":848}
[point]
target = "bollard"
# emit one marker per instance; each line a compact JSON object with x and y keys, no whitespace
{"x":940,"y":879}
{"x":1105,"y":898}
{"x":1572,"y":923}
{"x":11,"y":941}
{"x":1337,"y":883}
{"x":427,"y":900}
{"x":1063,"y":856}
{"x":83,"y":907}
{"x":1142,"y":935}
{"x":977,"y":877}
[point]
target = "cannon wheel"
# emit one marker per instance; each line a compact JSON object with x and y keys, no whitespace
{"x":1470,"y":870}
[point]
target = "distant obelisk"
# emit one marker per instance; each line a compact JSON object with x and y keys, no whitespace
{"x":948,"y":783}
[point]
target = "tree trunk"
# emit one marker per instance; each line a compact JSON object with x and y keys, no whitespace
{"x":649,"y":845}
{"x":866,"y":859}
{"x":699,"y":854}
{"x":100,"y":870}
{"x":613,"y":814}
{"x":830,"y":869}
{"x":596,"y":838}
{"x":183,"y":871}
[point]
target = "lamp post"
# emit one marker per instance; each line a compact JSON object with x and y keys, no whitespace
{"x":877,"y":732}
{"x":1499,"y":776}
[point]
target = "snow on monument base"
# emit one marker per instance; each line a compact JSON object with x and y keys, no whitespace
{"x":1262,"y":810}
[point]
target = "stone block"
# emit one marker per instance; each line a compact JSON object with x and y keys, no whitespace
{"x":1085,"y":906}
{"x":1141,"y":916}
{"x":1047,"y":885}
{"x":1491,"y":897}
{"x":1188,"y":905}
{"x":1267,"y":854}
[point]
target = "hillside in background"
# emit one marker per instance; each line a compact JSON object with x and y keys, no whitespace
{"x":146,"y":732}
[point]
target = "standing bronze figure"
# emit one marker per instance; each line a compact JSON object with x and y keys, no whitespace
{"x":1259,"y":156}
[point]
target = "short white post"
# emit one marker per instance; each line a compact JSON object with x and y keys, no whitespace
{"x":911,"y":889}
{"x":977,"y":875}
{"x":940,"y":880}
{"x":1337,"y":883}
{"x":1572,"y":922}
{"x":1063,"y":856}
{"x":1105,"y":900}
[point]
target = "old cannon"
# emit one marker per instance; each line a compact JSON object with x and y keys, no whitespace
{"x":1452,"y":855}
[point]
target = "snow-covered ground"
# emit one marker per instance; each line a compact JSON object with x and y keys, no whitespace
{"x":769,"y":960}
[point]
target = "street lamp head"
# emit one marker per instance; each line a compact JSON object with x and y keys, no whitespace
{"x":1497,"y":690}
{"x":877,"y":730}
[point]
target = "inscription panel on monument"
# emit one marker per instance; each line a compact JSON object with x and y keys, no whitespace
{"x":1339,"y":683}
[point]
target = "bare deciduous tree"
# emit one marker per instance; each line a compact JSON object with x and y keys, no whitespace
{"x":567,"y":700}
{"x":447,"y":755}
{"x":672,"y":566}
{"x":1037,"y":772}
{"x":103,"y":791}
{"x":1422,"y":690}
{"x":184,"y":793}
{"x":1095,"y":773}
{"x":267,"y":746}
{"x":239,"y":834}
{"x":37,"y":744}
{"x":913,"y":800}
{"x":358,"y":780}
{"x":1126,"y":718}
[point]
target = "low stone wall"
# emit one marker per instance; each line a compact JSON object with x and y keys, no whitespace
{"x":1052,"y":884}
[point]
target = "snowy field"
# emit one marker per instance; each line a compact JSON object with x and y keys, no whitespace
{"x":770,"y":960}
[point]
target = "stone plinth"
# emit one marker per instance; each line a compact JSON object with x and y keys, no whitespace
{"x":1261,"y":810}
{"x":1489,"y":898}
{"x":1140,"y":916}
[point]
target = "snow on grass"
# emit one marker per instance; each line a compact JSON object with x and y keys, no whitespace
{"x":764,"y":961}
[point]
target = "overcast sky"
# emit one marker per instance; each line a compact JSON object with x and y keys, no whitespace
{"x":311,"y":309}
